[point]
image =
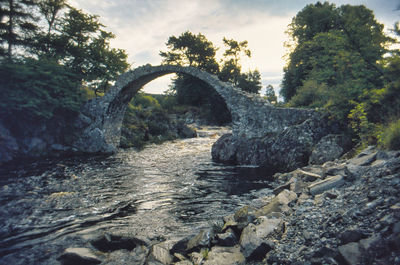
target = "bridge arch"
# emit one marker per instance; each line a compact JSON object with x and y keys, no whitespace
{"x":106,"y":113}
{"x":98,"y":127}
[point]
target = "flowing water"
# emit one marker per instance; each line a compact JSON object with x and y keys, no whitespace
{"x":162,"y":192}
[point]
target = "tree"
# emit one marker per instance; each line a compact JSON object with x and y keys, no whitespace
{"x":339,"y":65}
{"x":50,"y":11}
{"x":270,"y":94}
{"x":352,"y":28}
{"x":191,"y":50}
{"x":231,"y":68}
{"x":82,"y":45}
{"x":17,"y":25}
{"x":250,"y":81}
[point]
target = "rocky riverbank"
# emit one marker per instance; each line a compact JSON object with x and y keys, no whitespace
{"x":342,"y":212}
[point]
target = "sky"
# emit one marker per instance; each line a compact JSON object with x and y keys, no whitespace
{"x":142,"y":27}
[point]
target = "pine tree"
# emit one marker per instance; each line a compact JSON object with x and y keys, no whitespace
{"x":17,"y":26}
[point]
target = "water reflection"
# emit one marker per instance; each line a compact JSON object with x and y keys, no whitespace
{"x":165,"y":191}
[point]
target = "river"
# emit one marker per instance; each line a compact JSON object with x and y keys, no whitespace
{"x":163,"y":192}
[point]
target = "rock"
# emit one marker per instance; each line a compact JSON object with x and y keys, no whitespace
{"x":224,"y":150}
{"x":227,"y":239}
{"x":351,"y":253}
{"x":278,"y":204}
{"x":196,"y":258}
{"x":108,"y":243}
{"x":160,"y":253}
{"x":280,"y":188}
{"x":255,"y":238}
{"x":363,"y":159}
{"x":351,"y":236}
{"x":183,"y":262}
{"x":369,"y":242}
{"x":185,"y":131}
{"x":326,"y":184}
{"x":8,"y":145}
{"x":84,"y":256}
{"x":202,"y":239}
{"x":244,"y":216}
{"x":307,"y":176}
{"x":225,"y":256}
{"x":329,"y":148}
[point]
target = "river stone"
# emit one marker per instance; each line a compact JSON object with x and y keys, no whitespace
{"x":159,"y":253}
{"x":351,"y":253}
{"x":326,"y":184}
{"x":225,"y":256}
{"x":108,"y":243}
{"x":255,"y":239}
{"x":224,"y":150}
{"x":278,"y":204}
{"x":202,"y":239}
{"x":73,"y":256}
{"x":227,"y":239}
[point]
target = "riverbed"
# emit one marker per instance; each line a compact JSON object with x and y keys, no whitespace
{"x":162,"y":192}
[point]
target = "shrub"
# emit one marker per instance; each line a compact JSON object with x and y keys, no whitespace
{"x":390,"y":136}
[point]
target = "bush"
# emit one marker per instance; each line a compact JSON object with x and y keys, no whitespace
{"x":37,"y":89}
{"x":390,"y":137}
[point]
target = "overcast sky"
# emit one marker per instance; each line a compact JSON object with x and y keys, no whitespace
{"x":143,"y":26}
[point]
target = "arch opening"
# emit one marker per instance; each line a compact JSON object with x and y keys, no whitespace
{"x":132,"y":82}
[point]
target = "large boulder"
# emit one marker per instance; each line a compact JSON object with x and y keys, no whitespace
{"x":329,"y":148}
{"x":285,"y":150}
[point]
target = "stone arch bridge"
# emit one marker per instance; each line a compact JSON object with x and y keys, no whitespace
{"x":98,"y":127}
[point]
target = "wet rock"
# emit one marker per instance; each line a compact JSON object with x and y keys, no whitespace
{"x":202,"y":239}
{"x":84,"y":256}
{"x":329,"y":148}
{"x":326,"y":184}
{"x":185,"y":131}
{"x":137,"y":256}
{"x":255,"y":239}
{"x":159,"y":253}
{"x":225,"y":256}
{"x":224,"y":150}
{"x":351,"y":253}
{"x":227,"y":239}
{"x":244,"y":216}
{"x":108,"y":243}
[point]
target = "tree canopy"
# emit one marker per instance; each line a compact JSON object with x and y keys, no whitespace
{"x":339,"y":60}
{"x":48,"y":51}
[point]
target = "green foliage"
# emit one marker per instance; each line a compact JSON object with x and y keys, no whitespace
{"x":145,"y":122}
{"x":189,"y":49}
{"x":270,"y":94}
{"x":231,"y":68}
{"x":17,"y":25}
{"x":390,"y":136}
{"x":193,"y":50}
{"x":250,"y":81}
{"x":311,"y":94}
{"x":337,"y":46}
{"x":337,"y":63}
{"x":37,"y":89}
